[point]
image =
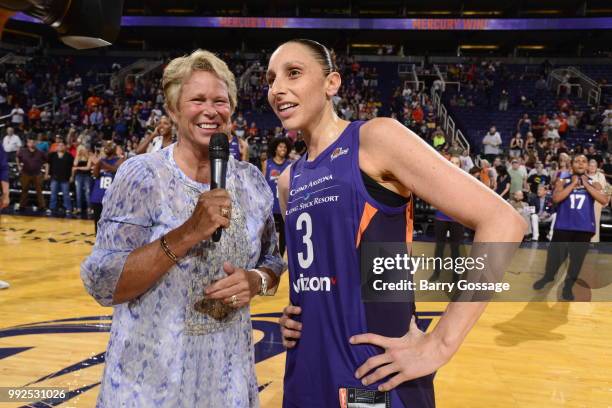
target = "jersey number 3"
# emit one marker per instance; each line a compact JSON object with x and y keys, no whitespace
{"x":304,"y":222}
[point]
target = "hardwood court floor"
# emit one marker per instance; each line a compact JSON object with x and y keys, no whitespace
{"x":547,"y":354}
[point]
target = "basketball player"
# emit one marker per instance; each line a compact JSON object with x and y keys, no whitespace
{"x":239,"y":148}
{"x":4,"y":192}
{"x":272,"y":169}
{"x":575,"y":196}
{"x":354,"y":185}
{"x":104,"y":171}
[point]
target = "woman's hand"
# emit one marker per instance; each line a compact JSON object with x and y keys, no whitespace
{"x":415,"y":355}
{"x":212,"y":211}
{"x":237,"y":289}
{"x":4,"y":201}
{"x":291,"y":330}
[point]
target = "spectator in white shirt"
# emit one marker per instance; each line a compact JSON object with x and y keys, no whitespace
{"x":491,"y":143}
{"x":551,"y":132}
{"x":466,"y":161}
{"x":45,"y":116}
{"x":11,"y":143}
{"x":17,"y":115}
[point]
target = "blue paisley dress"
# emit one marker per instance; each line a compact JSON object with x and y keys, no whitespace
{"x":162,"y":352}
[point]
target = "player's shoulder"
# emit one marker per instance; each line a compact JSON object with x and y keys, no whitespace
{"x":283,"y":179}
{"x":380,"y":126}
{"x":381,"y":135}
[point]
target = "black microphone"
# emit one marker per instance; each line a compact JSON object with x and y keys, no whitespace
{"x":218,"y":153}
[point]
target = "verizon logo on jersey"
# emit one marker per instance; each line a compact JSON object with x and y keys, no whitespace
{"x":314,"y":284}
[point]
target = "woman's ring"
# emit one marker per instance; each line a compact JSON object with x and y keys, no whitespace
{"x":234,"y":300}
{"x":225,"y":212}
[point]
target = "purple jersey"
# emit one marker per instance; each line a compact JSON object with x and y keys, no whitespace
{"x":273,"y":172}
{"x":329,"y":215}
{"x":235,"y":148}
{"x":577,"y":211}
{"x":440,"y":216}
{"x":102,"y":183}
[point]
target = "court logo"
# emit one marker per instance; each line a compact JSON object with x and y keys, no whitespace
{"x":339,"y":152}
{"x":267,"y":347}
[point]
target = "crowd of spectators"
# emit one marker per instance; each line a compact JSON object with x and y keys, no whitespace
{"x":525,"y":170}
{"x":60,"y":142}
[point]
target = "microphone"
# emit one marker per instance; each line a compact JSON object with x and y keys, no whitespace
{"x":218,"y":153}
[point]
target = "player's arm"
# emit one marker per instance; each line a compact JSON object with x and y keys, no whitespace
{"x":244,"y":149}
{"x":561,"y":192}
{"x":113,"y":167}
{"x":145,"y":142}
{"x":283,"y":189}
{"x":5,"y":194}
{"x":391,"y":151}
{"x":596,"y":191}
{"x":290,"y":329}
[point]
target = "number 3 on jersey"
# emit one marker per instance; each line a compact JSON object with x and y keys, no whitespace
{"x":304,"y":222}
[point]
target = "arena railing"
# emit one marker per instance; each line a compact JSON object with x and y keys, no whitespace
{"x":3,"y":120}
{"x":443,"y":77}
{"x":556,"y":78}
{"x":447,"y":123}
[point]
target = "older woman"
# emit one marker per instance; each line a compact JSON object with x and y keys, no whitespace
{"x":181,"y":333}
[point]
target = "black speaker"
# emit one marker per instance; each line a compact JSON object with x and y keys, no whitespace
{"x":80,"y":24}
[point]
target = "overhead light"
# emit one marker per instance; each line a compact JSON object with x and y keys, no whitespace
{"x":599,"y":11}
{"x":542,"y":11}
{"x":531,"y":47}
{"x":430,"y":12}
{"x":478,"y":47}
{"x":482,"y":13}
{"x":80,"y":24}
{"x":367,"y":45}
{"x":179,"y":11}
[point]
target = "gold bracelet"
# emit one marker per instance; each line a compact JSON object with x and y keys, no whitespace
{"x":167,"y":250}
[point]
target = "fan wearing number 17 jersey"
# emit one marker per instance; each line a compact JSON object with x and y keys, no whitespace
{"x":575,"y":197}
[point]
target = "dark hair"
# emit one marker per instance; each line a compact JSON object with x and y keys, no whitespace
{"x":274,"y":144}
{"x":501,"y":170}
{"x":321,"y":53}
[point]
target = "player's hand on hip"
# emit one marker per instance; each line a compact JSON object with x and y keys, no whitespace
{"x":213,"y":210}
{"x":291,"y":330}
{"x":414,"y":355}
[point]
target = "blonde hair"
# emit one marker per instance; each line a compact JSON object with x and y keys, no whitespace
{"x":82,"y":152}
{"x":179,"y":69}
